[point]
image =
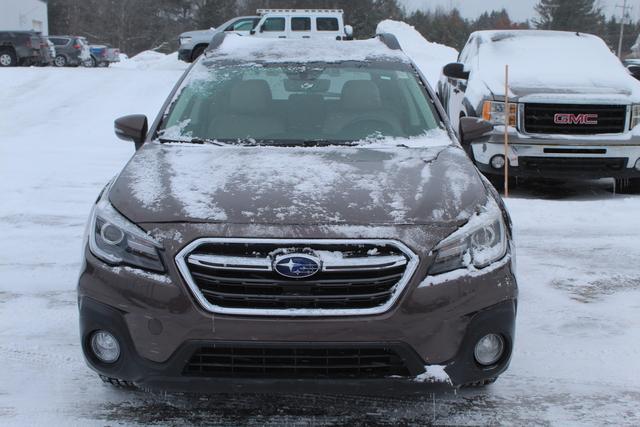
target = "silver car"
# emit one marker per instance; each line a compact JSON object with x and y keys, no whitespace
{"x":193,"y":43}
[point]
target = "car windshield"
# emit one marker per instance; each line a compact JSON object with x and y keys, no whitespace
{"x":300,"y":104}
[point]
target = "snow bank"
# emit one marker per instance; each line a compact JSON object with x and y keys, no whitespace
{"x":428,"y":56}
{"x":151,"y":60}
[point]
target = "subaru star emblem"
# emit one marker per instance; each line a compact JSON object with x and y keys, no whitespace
{"x":296,"y":265}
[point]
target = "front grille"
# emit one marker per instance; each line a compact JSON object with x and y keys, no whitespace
{"x":539,"y":118}
{"x":572,"y":164}
{"x":238,"y":276}
{"x":296,"y":362}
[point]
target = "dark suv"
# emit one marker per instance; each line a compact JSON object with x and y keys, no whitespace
{"x":20,"y":48}
{"x":70,"y":51}
{"x":298,"y":222}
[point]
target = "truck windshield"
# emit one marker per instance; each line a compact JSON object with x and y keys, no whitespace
{"x":299,"y":104}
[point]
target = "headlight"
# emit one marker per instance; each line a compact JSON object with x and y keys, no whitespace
{"x":635,"y":115}
{"x":493,"y":112}
{"x":115,"y":240}
{"x":477,"y":244}
{"x":185,"y":40}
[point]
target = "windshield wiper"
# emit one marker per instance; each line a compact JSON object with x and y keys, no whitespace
{"x":202,"y":141}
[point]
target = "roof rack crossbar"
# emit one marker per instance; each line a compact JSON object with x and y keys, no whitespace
{"x":265,"y":11}
{"x":390,"y":40}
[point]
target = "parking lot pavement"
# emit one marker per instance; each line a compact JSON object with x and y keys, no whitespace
{"x":578,"y":330}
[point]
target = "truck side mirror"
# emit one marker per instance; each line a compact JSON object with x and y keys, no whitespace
{"x":473,"y":128}
{"x":455,"y":70}
{"x":348,"y":31}
{"x":132,"y":128}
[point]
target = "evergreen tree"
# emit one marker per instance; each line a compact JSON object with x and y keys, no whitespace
{"x":569,"y":15}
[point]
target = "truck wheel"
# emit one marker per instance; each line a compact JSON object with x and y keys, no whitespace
{"x":115,"y":382}
{"x":628,"y":186}
{"x":60,"y":61}
{"x":8,"y":58}
{"x":197,"y":51}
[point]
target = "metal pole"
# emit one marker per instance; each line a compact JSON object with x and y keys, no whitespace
{"x":624,"y":12}
{"x":507,"y":116}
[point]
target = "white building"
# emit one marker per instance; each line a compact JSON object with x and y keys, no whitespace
{"x":24,"y":15}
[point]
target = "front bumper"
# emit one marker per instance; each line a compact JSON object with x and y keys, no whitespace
{"x":159,"y":324}
{"x":559,"y":158}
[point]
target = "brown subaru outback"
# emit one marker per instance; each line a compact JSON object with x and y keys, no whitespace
{"x":301,"y":217}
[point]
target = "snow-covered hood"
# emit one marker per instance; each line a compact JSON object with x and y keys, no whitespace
{"x":296,"y":186}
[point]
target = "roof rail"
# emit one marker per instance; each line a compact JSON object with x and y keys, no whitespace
{"x":264,"y":11}
{"x":216,"y":41}
{"x":390,"y":41}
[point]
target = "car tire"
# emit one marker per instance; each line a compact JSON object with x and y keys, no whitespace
{"x":197,"y":51}
{"x":8,"y":58}
{"x":628,"y":186}
{"x":115,"y":382}
{"x":60,"y":61}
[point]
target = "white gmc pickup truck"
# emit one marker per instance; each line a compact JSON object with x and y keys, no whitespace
{"x":574,"y":109}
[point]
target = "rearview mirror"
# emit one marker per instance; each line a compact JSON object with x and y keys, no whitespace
{"x":473,"y":128}
{"x":455,"y":70}
{"x":132,"y":128}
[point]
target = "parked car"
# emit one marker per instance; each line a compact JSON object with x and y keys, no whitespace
{"x":302,"y":24}
{"x":302,"y":223}
{"x":193,"y":43}
{"x":574,"y":109}
{"x":19,"y":48}
{"x":70,"y":50}
{"x":103,"y":55}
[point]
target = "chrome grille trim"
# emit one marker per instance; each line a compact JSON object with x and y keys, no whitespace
{"x":334,"y":264}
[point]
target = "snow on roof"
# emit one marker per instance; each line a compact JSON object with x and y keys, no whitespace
{"x":258,"y":49}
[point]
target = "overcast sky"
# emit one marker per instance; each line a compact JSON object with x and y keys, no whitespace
{"x":519,"y":10}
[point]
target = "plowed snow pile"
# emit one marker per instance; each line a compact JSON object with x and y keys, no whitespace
{"x":428,"y":56}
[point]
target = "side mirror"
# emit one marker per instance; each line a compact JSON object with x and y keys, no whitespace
{"x":252,"y":32}
{"x":473,"y":128}
{"x":132,"y":128}
{"x":455,"y":70}
{"x":348,"y":31}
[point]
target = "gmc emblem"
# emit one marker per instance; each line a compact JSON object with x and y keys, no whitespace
{"x":575,"y":119}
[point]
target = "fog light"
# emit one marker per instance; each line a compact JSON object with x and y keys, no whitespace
{"x":497,"y":161}
{"x":105,"y":346}
{"x":638,"y":165}
{"x":489,"y":349}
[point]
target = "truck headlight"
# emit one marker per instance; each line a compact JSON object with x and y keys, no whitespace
{"x":115,"y":240}
{"x":635,"y":115}
{"x":493,"y":112}
{"x":185,"y":40}
{"x":480,"y":242}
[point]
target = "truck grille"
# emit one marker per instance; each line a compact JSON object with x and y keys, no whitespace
{"x":604,"y":119}
{"x":296,"y":362}
{"x":238,"y":276}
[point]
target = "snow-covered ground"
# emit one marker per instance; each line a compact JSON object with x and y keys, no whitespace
{"x":578,"y":330}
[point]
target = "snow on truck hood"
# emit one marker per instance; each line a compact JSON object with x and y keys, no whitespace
{"x":552,"y":62}
{"x":291,"y":186}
